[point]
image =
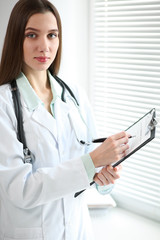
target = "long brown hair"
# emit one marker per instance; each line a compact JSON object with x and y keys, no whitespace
{"x":12,"y":53}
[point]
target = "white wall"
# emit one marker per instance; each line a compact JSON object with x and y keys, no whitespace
{"x":5,"y":10}
{"x":74,"y":15}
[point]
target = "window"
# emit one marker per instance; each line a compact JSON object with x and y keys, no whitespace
{"x":125,"y":84}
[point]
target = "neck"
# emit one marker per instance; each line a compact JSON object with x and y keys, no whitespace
{"x":40,"y":83}
{"x":38,"y":80}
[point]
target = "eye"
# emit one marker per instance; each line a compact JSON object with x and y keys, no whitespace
{"x":53,"y":35}
{"x":31,"y":35}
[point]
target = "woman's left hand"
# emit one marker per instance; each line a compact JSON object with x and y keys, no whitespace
{"x":107,"y":175}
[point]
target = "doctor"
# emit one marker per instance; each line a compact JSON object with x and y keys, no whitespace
{"x":37,"y":199}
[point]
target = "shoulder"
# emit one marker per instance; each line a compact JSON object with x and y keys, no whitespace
{"x":79,"y":92}
{"x":5,"y":94}
{"x":6,"y":101}
{"x":70,"y":87}
{"x":7,"y":112}
{"x":85,"y":108}
{"x":5,"y":87}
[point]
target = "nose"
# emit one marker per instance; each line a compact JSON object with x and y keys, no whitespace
{"x":43,"y":45}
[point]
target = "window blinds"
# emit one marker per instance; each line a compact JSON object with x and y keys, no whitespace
{"x":125,"y":84}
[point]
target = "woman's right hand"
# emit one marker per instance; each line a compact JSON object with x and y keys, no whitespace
{"x":111,"y":150}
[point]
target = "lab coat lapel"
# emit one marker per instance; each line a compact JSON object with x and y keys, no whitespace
{"x":61,"y":114}
{"x":45,"y":119}
{"x":67,"y":117}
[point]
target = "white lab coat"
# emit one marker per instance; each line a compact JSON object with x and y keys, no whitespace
{"x":37,"y":200}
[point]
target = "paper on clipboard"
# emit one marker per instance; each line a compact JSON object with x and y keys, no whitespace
{"x":143,"y":131}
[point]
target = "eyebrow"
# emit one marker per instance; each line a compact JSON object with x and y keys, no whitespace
{"x":37,"y":30}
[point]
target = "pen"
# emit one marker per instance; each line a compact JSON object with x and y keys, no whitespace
{"x":99,"y":140}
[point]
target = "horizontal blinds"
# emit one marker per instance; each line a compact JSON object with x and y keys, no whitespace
{"x":126,"y":85}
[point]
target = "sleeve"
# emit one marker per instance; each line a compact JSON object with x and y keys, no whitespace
{"x":92,"y":132}
{"x":89,"y":166}
{"x":90,"y":169}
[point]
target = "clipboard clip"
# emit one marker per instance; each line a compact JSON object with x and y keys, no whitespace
{"x":153,"y":121}
{"x":152,"y":124}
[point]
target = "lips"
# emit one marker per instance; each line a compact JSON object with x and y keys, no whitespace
{"x":42,"y":59}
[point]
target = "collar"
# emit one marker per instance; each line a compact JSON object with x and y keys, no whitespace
{"x":30,"y":97}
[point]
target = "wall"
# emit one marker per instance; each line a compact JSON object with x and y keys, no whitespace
{"x":5,"y":9}
{"x":74,"y":15}
{"x":117,"y":223}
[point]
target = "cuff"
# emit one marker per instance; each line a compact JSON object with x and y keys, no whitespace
{"x":89,"y":166}
{"x":105,"y":189}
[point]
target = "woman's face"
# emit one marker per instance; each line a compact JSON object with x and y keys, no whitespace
{"x":40,"y":43}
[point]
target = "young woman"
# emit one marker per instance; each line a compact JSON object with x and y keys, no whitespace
{"x":37,"y":198}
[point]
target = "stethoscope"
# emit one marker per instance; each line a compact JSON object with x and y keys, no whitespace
{"x":28,"y":156}
{"x":19,"y":115}
{"x":64,"y":88}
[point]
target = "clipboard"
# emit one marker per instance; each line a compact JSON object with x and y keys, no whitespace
{"x":142,"y":132}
